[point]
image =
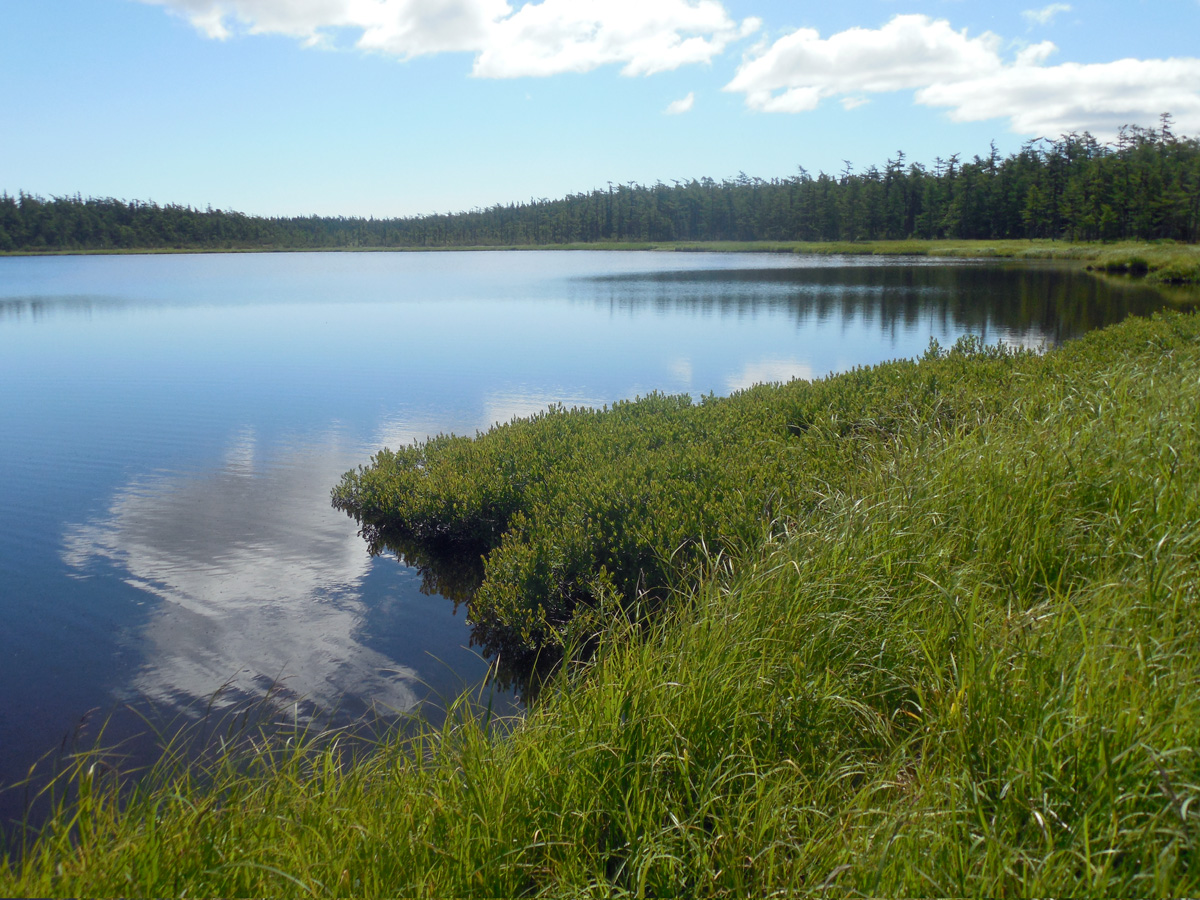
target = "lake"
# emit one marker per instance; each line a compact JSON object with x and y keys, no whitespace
{"x":172,"y":426}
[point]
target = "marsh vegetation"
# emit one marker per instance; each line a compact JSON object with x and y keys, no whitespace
{"x":924,"y":627}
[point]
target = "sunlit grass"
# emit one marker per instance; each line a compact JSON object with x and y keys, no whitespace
{"x":970,"y":666}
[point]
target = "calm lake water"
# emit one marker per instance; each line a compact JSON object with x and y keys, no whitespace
{"x":172,"y":426}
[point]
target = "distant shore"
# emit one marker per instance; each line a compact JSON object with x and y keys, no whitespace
{"x":1162,"y":263}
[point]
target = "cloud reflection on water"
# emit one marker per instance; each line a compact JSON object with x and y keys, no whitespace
{"x":501,"y":407}
{"x":766,"y":371}
{"x":259,"y":580}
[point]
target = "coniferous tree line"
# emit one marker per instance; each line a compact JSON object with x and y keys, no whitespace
{"x":1145,"y":186}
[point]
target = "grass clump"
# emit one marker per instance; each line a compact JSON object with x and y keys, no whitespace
{"x":960,"y":660}
{"x":1164,"y":262}
{"x":584,"y":514}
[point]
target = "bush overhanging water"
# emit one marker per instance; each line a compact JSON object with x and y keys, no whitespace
{"x":582,"y":514}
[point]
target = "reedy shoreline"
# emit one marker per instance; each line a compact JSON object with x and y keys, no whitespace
{"x":969,"y":667}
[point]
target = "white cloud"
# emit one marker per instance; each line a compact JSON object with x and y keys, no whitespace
{"x":1046,"y":14}
{"x":800,"y":69}
{"x":647,"y":36}
{"x":1036,"y":54}
{"x":306,"y":19}
{"x":968,"y":75}
{"x":678,"y":107}
{"x":1099,"y":98}
{"x":546,"y":38}
{"x":407,"y":28}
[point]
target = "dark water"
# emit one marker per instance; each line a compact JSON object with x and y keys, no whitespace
{"x":172,"y":426}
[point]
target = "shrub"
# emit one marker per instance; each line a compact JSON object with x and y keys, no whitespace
{"x":583,"y":514}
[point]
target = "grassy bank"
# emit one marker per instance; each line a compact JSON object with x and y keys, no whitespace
{"x":1164,"y":263}
{"x":957,"y":657}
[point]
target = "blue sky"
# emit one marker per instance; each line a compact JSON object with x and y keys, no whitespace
{"x":403,"y":107}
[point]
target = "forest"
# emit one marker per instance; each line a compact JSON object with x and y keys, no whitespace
{"x":1144,"y":186}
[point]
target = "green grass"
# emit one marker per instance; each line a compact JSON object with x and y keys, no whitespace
{"x":585,"y":514}
{"x":1163,"y":263}
{"x":966,"y":665}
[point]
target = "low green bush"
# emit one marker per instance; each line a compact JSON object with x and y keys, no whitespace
{"x":584,"y":514}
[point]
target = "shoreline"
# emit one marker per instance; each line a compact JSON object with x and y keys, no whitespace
{"x":1160,"y":263}
{"x":952,"y":635}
